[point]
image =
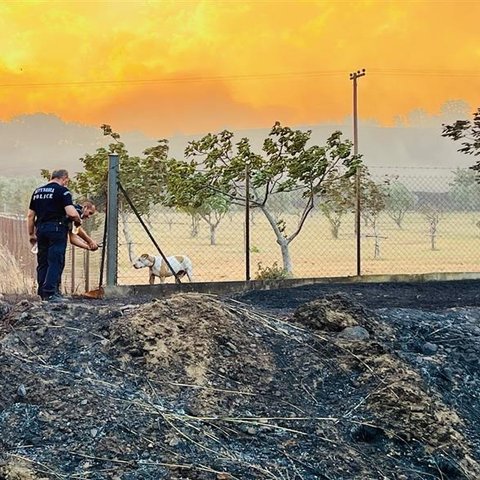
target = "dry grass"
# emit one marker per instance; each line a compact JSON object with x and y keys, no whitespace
{"x":13,"y":279}
{"x":314,"y":252}
{"x":17,"y":469}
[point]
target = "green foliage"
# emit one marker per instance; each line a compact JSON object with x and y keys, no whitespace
{"x":468,"y":131}
{"x":372,"y":195}
{"x":282,"y":203}
{"x":287,"y":163}
{"x":215,"y":165}
{"x":15,"y":193}
{"x":398,"y":201}
{"x":337,"y":199}
{"x":275,"y":272}
{"x":142,"y":177}
{"x":465,"y":190}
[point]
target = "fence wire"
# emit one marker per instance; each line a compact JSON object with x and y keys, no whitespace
{"x":427,"y":222}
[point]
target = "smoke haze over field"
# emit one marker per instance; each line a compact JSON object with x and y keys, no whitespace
{"x":29,"y":143}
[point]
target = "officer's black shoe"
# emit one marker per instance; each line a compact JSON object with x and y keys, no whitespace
{"x":56,"y":298}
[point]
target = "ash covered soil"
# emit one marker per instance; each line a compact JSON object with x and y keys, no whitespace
{"x":364,"y":381}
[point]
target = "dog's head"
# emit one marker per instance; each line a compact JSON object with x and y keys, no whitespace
{"x":143,"y":261}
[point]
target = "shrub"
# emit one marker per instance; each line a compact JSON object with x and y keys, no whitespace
{"x":275,"y":272}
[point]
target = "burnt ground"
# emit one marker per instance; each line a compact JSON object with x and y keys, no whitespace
{"x":419,"y":295}
{"x":364,"y":381}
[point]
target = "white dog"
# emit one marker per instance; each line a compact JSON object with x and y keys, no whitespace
{"x":182,"y":265}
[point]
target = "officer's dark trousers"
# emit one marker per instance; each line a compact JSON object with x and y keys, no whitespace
{"x":52,"y":244}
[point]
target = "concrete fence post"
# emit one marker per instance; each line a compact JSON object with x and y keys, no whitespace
{"x":112,"y":220}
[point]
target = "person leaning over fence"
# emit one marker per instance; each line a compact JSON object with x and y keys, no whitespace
{"x":77,"y":235}
{"x":49,"y":207}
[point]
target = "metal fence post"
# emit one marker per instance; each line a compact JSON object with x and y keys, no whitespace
{"x":73,"y":272}
{"x":112,"y":220}
{"x":86,"y":269}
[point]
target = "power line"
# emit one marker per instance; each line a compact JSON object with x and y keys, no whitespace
{"x":427,"y":73}
{"x":177,"y":79}
{"x":253,"y":76}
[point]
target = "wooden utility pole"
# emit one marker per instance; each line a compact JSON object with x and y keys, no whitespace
{"x":355,"y":76}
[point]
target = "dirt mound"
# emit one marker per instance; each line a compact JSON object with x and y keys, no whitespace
{"x":332,"y":313}
{"x":197,"y":340}
{"x":196,"y":387}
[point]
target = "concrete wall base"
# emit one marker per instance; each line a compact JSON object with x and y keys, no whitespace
{"x":222,"y":288}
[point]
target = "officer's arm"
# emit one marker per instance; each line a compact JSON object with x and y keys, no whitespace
{"x":31,"y":225}
{"x":73,"y":215}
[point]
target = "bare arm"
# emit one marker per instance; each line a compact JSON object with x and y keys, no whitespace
{"x":86,"y":238}
{"x":78,"y":241}
{"x":31,"y":226}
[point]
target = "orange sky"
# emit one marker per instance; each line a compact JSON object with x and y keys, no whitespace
{"x":163,"y":67}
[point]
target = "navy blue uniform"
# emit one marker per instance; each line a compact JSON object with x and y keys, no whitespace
{"x":51,"y":226}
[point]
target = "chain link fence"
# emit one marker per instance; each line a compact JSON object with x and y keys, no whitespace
{"x":427,"y":221}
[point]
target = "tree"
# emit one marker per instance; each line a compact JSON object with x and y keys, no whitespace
{"x":399,"y":200}
{"x":15,"y":193}
{"x":215,"y":165}
{"x":432,"y":214}
{"x":212,"y":210}
{"x":465,"y":191}
{"x":372,"y":201}
{"x":468,"y":132}
{"x":142,"y":178}
{"x":340,"y":198}
{"x":336,"y":200}
{"x":185,"y":189}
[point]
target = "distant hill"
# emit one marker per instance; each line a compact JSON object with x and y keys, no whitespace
{"x":31,"y":142}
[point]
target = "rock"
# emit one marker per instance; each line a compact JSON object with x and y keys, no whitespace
{"x":354,"y":334}
{"x":366,"y":433}
{"x":429,"y":348}
{"x":41,"y":331}
{"x":475,"y":330}
{"x":231,"y":346}
{"x":4,"y":308}
{"x":21,"y":391}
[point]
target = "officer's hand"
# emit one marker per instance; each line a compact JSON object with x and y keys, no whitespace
{"x":78,"y":222}
{"x":33,"y":239}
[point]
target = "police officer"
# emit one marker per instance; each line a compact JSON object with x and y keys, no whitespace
{"x":47,"y":221}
